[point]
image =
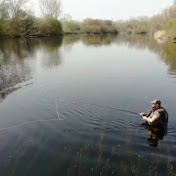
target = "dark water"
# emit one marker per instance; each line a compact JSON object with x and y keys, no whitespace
{"x":53,"y":115}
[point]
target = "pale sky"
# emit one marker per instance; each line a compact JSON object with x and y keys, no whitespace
{"x":109,"y":9}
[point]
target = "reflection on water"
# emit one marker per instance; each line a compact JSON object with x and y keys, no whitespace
{"x":98,"y":40}
{"x":12,"y":62}
{"x":90,"y":140}
{"x":166,"y":52}
{"x":16,"y":56}
{"x":170,"y":56}
{"x":50,"y":49}
{"x":139,"y":42}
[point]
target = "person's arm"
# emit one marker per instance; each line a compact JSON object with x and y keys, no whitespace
{"x":152,"y":119}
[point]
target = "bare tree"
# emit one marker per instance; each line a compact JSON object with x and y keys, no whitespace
{"x":16,"y":5}
{"x":4,"y":9}
{"x":67,"y":17}
{"x":2,"y":2}
{"x":51,"y":7}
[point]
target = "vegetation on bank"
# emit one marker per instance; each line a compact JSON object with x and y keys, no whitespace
{"x":89,"y":26}
{"x":170,"y":28}
{"x":17,"y":20}
{"x":142,"y":25}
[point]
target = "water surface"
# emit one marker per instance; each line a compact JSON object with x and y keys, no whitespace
{"x":63,"y":101}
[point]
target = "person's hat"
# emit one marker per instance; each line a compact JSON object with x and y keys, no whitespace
{"x":156,"y":101}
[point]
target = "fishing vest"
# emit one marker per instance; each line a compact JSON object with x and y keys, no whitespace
{"x":163,"y":116}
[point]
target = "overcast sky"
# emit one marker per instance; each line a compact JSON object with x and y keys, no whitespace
{"x":110,"y":9}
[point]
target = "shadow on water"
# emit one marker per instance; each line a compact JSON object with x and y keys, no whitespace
{"x":16,"y":56}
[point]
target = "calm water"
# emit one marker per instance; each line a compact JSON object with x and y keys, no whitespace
{"x":53,"y":99}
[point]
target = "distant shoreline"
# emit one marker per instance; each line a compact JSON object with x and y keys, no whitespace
{"x":160,"y":38}
{"x":64,"y":34}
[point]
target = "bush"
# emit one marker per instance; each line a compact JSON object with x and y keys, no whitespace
{"x":25,"y":24}
{"x":46,"y":26}
{"x":54,"y":25}
{"x":98,"y":26}
{"x":90,"y":29}
{"x":71,"y":27}
{"x":170,"y":27}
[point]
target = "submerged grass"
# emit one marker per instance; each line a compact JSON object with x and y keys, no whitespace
{"x":116,"y":162}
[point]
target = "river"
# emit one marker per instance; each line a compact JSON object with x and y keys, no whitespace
{"x":68,"y":106}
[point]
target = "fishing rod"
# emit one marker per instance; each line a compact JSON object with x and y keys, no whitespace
{"x":112,"y":108}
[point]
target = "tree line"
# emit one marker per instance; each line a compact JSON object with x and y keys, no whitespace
{"x":17,"y":20}
{"x":141,"y":25}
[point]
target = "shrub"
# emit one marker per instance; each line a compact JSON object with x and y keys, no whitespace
{"x":55,"y":27}
{"x":170,"y":27}
{"x":47,"y":26}
{"x":71,"y":26}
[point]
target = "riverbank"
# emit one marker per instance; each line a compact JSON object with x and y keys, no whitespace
{"x":26,"y":36}
{"x":162,"y":36}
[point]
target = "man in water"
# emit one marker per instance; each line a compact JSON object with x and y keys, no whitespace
{"x":158,"y":116}
{"x":155,"y":123}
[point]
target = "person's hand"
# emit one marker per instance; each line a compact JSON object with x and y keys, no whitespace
{"x":142,"y":114}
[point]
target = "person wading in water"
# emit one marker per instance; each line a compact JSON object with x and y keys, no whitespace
{"x":158,"y":116}
{"x":155,"y":122}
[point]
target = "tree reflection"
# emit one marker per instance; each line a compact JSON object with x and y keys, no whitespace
{"x":167,"y":52}
{"x":51,"y":52}
{"x":14,"y":68}
{"x":98,"y":40}
{"x":68,"y":41}
{"x":170,"y":56}
{"x":16,"y":56}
